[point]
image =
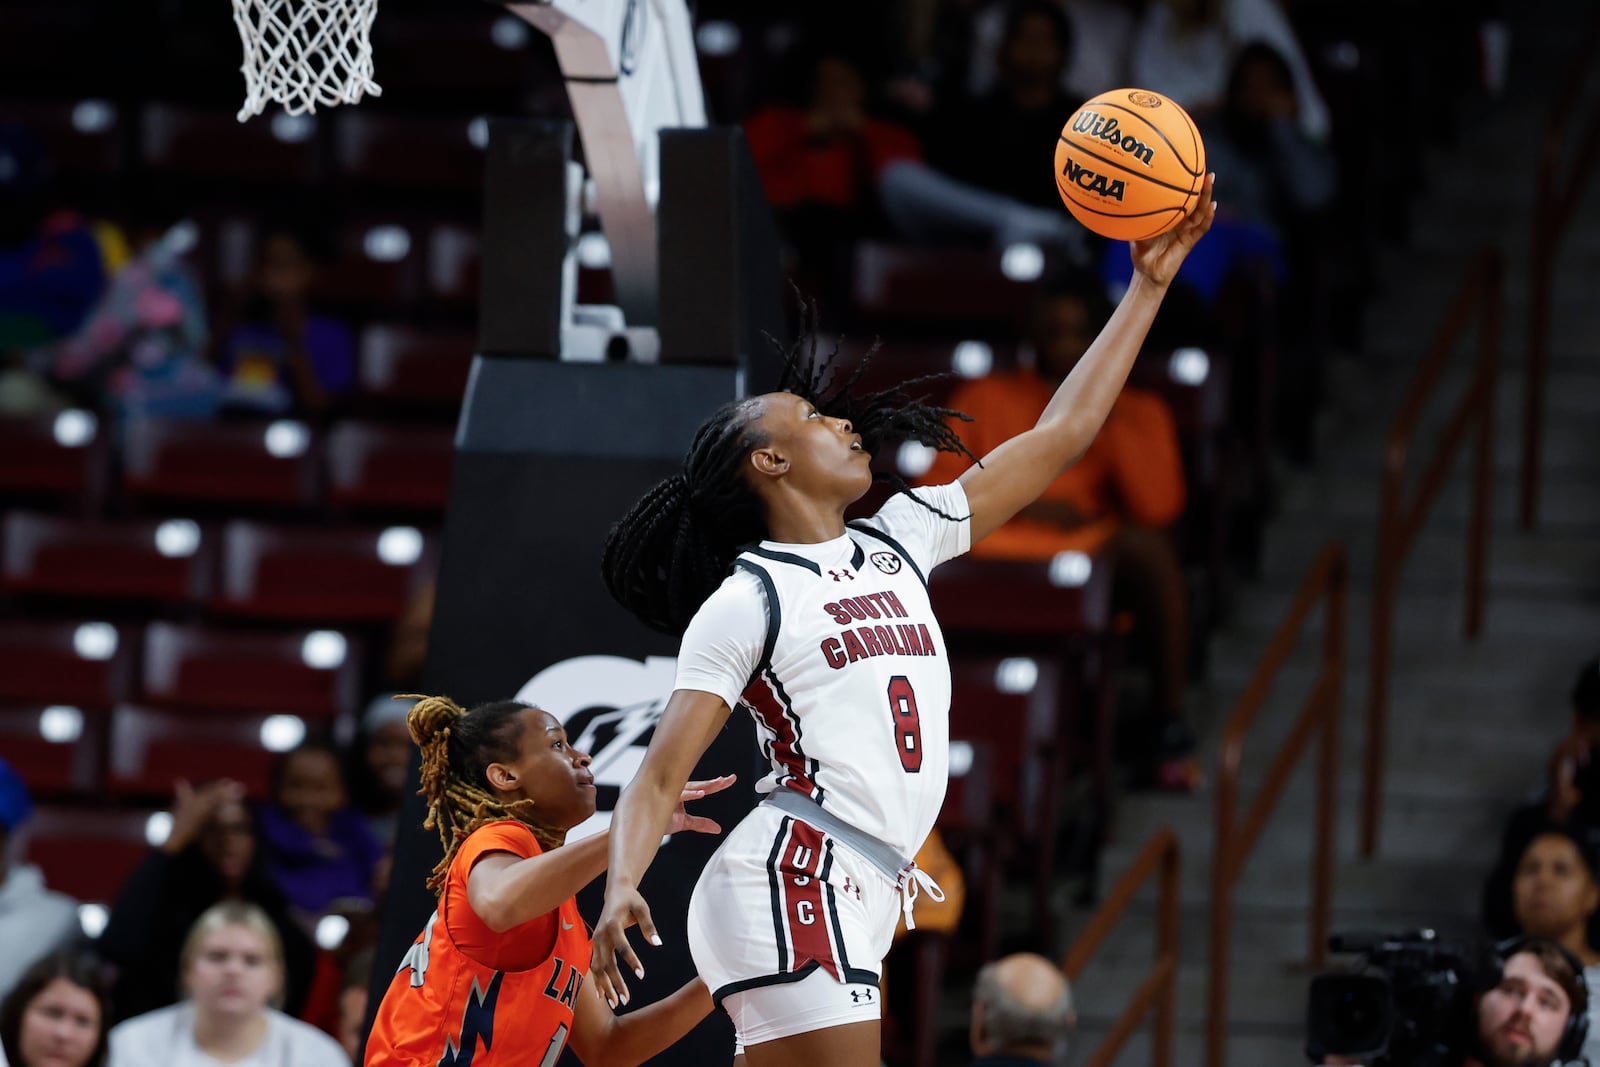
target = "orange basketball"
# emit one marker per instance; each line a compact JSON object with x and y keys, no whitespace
{"x":1129,"y":164}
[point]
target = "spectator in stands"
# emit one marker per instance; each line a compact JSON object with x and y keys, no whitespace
{"x":212,"y":854}
{"x":34,"y":921}
{"x":1574,"y":770}
{"x":1115,"y":503}
{"x":988,"y":176}
{"x":1571,"y":797}
{"x":1183,"y":48}
{"x":142,"y":350}
{"x":1021,"y":1013}
{"x":382,"y":755}
{"x":318,"y":846}
{"x":281,"y":356}
{"x":1278,"y":176}
{"x":353,"y":1002}
{"x":1097,"y":60}
{"x":1522,"y":1021}
{"x":232,"y":967}
{"x":53,"y":266}
{"x":1004,"y":140}
{"x":820,"y":159}
{"x":57,"y":1015}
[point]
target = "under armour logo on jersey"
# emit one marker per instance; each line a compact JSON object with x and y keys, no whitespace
{"x":861,"y":996}
{"x":887,"y":562}
{"x":845,"y":576}
{"x":851,"y":888}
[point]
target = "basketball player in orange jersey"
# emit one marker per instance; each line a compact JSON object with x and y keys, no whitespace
{"x":823,"y":630}
{"x":497,"y":976}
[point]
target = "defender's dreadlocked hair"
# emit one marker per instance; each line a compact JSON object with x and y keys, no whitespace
{"x":673,"y":548}
{"x":457,"y":747}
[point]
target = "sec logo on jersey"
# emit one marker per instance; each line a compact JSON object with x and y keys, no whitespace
{"x":887,"y":562}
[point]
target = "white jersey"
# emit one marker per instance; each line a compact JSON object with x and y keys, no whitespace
{"x":834,"y":650}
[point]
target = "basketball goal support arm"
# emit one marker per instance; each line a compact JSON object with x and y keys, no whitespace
{"x":630,"y":71}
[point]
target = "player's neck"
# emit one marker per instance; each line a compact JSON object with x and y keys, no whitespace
{"x":799,"y":521}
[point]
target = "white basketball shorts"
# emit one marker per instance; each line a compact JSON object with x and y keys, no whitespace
{"x":789,"y":926}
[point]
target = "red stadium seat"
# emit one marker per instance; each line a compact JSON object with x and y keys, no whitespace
{"x":85,"y":664}
{"x":905,"y":285}
{"x":176,"y":140}
{"x":1012,"y":707}
{"x":313,"y":673}
{"x":377,"y":263}
{"x":55,"y":748}
{"x":374,"y":149}
{"x":453,"y":264}
{"x":80,"y":137}
{"x":231,"y":463}
{"x":412,"y":368}
{"x":164,"y":560}
{"x":390,"y":467}
{"x":60,"y":456}
{"x":86,"y":854}
{"x":1050,"y":599}
{"x":344,"y":575}
{"x":150,"y":750}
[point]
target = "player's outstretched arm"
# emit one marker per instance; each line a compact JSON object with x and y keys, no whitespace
{"x":505,"y":890}
{"x":603,"y":1039}
{"x":644,"y":813}
{"x":1016,"y":473}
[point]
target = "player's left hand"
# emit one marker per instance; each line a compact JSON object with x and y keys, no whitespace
{"x":1159,"y":258}
{"x":682,"y":820}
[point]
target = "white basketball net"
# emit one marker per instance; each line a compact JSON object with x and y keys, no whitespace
{"x":301,"y":53}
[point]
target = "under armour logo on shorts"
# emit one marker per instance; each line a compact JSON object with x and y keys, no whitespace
{"x":861,"y":996}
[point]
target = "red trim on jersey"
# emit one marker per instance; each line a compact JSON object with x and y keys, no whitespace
{"x":806,"y":920}
{"x":786,"y":737}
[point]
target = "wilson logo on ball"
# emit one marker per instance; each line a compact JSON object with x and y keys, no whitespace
{"x":1108,"y":130}
{"x":1088,"y":180}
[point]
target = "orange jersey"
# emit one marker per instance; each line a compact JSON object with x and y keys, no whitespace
{"x":467,"y":995}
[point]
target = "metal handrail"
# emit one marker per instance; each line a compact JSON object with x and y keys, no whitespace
{"x":1554,"y":199}
{"x":1155,"y":994}
{"x":1236,"y":837}
{"x":1481,"y":297}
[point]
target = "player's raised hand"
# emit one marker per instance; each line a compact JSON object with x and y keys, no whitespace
{"x":1159,"y":258}
{"x":682,"y":820}
{"x":623,"y":908}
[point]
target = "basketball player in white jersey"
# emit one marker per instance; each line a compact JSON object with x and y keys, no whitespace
{"x":822,"y":630}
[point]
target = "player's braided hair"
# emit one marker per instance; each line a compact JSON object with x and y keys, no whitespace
{"x":457,"y":747}
{"x":673,"y":548}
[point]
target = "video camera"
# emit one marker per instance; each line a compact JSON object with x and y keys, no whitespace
{"x":1413,"y":1005}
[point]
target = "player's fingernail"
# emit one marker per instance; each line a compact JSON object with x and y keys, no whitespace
{"x":655,"y":939}
{"x":638,"y":972}
{"x":624,"y":998}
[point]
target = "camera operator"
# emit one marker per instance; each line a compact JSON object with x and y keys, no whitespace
{"x":1535,"y":1016}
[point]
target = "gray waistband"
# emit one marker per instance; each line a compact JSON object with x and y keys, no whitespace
{"x":886,"y":858}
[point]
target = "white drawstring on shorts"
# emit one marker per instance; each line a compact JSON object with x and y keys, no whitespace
{"x":912,"y":880}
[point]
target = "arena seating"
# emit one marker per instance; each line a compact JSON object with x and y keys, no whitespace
{"x":151,"y":749}
{"x":312,"y":673}
{"x":87,"y":663}
{"x":332,"y":575}
{"x":157,"y":560}
{"x":236,"y":465}
{"x":54,"y":459}
{"x":58,"y":749}
{"x":379,"y":467}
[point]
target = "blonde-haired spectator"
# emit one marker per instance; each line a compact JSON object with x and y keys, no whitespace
{"x":232,"y":974}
